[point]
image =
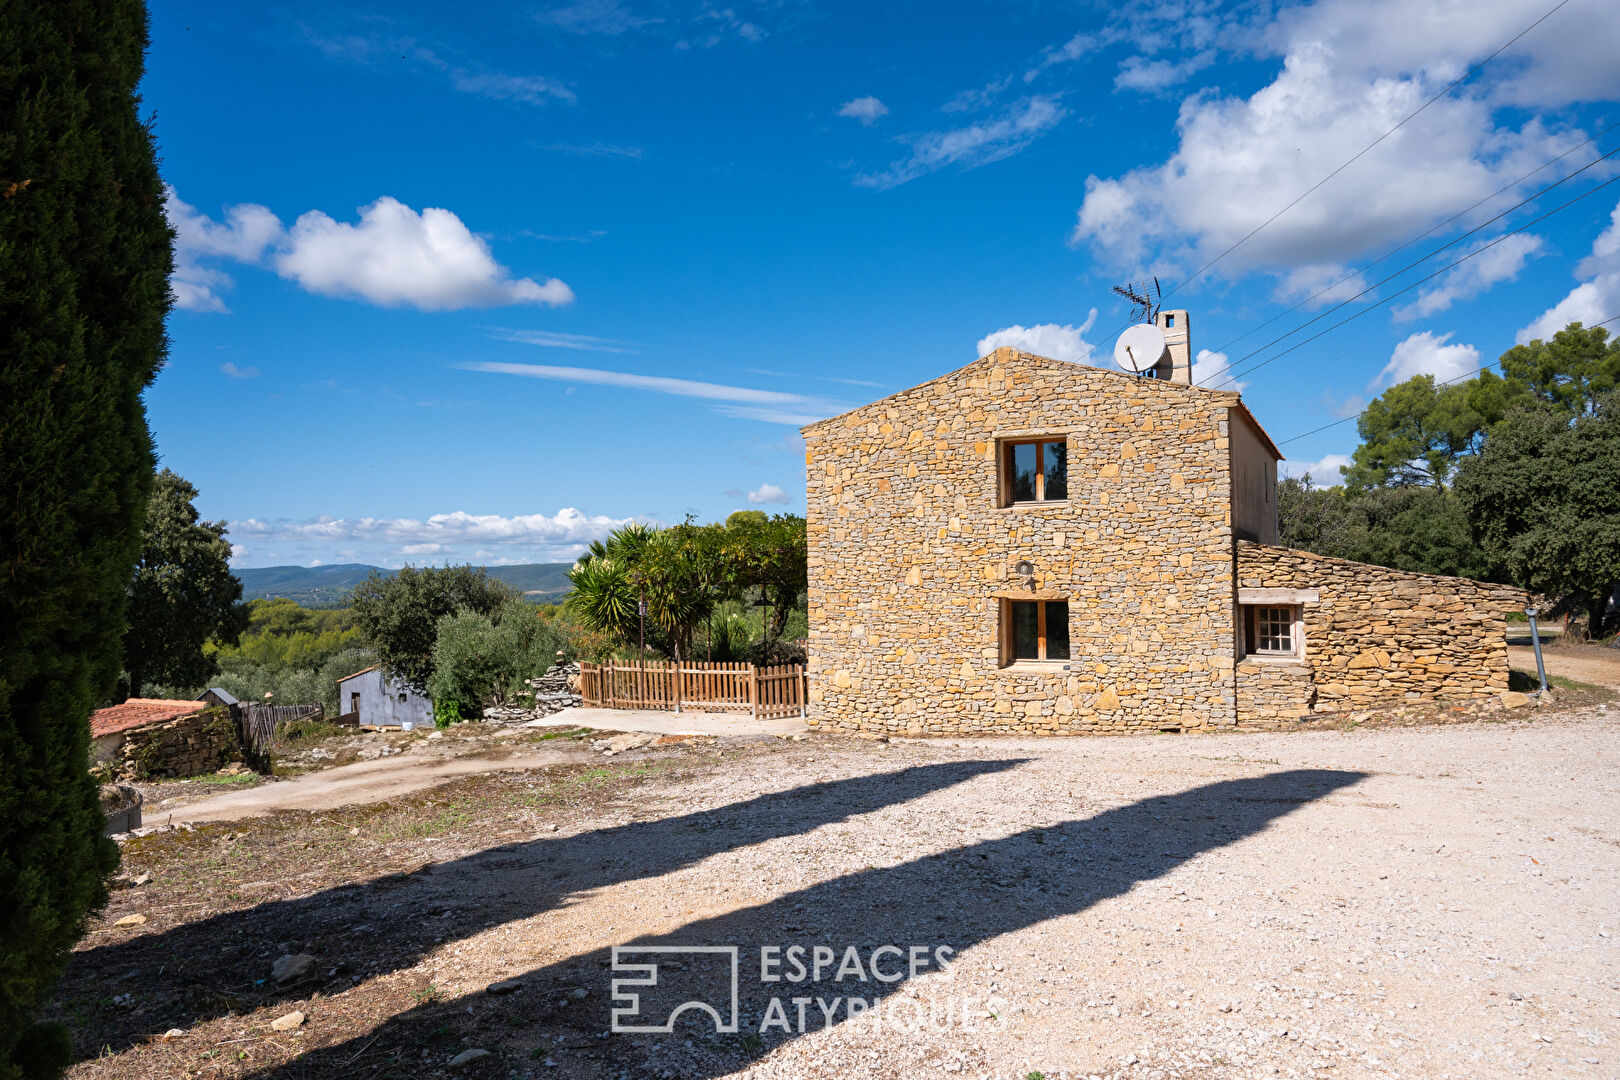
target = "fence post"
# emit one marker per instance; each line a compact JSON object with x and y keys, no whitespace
{"x":753,"y":688}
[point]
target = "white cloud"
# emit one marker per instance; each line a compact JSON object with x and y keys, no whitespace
{"x":594,"y":17}
{"x":1351,"y":70}
{"x":238,"y":552}
{"x":248,"y":229}
{"x":973,"y":145}
{"x":1501,"y":262}
{"x":441,"y":534}
{"x":771,"y":406}
{"x":1323,"y":472}
{"x":239,"y":372}
{"x":868,"y":110}
{"x":595,"y":149}
{"x":548,"y":339}
{"x":393,"y":256}
{"x":1426,"y":353}
{"x":1140,"y":73}
{"x":377,"y":50}
{"x":1322,"y":283}
{"x":1342,"y":408}
{"x":767,"y":493}
{"x":1212,"y":369}
{"x":1058,"y":342}
{"x":1592,"y":301}
{"x":529,"y":89}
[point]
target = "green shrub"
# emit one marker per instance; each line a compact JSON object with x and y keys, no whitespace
{"x":480,"y":660}
{"x":446,"y":711}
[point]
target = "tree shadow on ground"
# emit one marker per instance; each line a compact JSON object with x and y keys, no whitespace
{"x":957,"y":898}
{"x":219,"y":963}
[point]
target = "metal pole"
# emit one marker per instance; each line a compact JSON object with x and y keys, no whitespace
{"x":1535,"y":640}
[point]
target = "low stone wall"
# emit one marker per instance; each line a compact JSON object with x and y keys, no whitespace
{"x":192,"y":745}
{"x":1273,"y":694}
{"x":1375,"y":636}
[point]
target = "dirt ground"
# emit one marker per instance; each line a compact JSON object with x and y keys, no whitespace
{"x":1408,"y":901}
{"x":1597,"y":664}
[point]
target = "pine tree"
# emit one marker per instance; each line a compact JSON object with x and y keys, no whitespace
{"x":84,"y":263}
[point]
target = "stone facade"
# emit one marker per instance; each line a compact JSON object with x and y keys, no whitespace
{"x":189,"y":746}
{"x":911,"y":554}
{"x":1375,"y":635}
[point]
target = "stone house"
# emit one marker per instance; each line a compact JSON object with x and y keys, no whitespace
{"x":373,"y":698}
{"x":1027,"y":545}
{"x":162,"y":737}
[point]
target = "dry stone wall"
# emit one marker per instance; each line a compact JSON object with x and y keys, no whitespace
{"x":189,"y":746}
{"x":1375,"y":636}
{"x":910,"y":554}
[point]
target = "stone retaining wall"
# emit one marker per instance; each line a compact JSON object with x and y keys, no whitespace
{"x":1375,"y":636}
{"x":910,"y":553}
{"x":190,"y":746}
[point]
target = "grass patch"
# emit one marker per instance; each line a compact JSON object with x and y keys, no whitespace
{"x":296,"y":730}
{"x":1525,"y":682}
{"x":232,"y":780}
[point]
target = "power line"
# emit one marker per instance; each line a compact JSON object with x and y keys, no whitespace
{"x":1466,"y":76}
{"x":1429,"y":277}
{"x":1091,"y":348}
{"x":1428,"y":232}
{"x":1450,"y":243}
{"x":1448,"y":382}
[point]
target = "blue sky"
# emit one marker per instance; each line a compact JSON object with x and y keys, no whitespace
{"x":480,"y":282}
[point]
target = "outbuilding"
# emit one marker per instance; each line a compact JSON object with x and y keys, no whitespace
{"x":373,"y":698}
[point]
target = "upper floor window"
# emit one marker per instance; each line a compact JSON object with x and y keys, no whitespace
{"x":1034,"y":470}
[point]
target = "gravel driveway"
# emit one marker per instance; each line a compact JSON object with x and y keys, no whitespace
{"x":1411,"y":902}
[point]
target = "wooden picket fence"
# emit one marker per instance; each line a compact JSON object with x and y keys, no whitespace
{"x":763,"y":692}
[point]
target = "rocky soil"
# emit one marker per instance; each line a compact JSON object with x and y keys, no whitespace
{"x":1425,"y":901}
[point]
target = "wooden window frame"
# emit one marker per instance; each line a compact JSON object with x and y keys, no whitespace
{"x":1253,"y":614}
{"x":1004,"y":452}
{"x":1009,"y":635}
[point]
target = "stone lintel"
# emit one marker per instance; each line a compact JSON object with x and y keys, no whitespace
{"x":1029,"y":594}
{"x":1279,"y":596}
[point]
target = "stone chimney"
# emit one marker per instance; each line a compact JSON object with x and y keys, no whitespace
{"x":1176,"y":364}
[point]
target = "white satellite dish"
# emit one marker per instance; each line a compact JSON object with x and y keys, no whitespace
{"x":1139,"y":348}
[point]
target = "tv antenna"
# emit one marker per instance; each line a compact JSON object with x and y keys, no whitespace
{"x":1144,"y":296}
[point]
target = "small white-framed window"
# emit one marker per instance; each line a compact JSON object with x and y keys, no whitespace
{"x":1273,"y":630}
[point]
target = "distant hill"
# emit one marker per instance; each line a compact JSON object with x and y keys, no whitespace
{"x":328,"y":586}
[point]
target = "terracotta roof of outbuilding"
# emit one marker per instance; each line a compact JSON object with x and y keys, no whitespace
{"x":139,"y":712}
{"x":362,"y":671}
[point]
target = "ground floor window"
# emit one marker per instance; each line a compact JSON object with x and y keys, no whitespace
{"x":1034,"y":630}
{"x":1271,"y":630}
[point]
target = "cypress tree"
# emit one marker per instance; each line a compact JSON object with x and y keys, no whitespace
{"x":85,"y":257}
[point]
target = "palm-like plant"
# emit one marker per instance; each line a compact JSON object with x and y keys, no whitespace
{"x":604,"y":596}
